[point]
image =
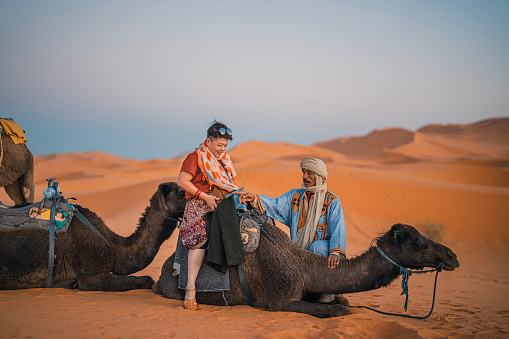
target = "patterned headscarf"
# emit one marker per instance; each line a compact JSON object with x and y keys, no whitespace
{"x":306,"y":234}
{"x":218,"y":171}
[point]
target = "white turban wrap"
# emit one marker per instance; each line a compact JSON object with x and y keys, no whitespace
{"x":306,"y":234}
{"x":314,"y":165}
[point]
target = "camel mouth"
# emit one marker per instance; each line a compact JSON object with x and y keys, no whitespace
{"x":451,"y":267}
{"x":451,"y":263}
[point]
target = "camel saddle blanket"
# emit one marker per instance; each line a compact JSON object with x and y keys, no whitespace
{"x":33,"y":216}
{"x":12,"y":129}
{"x":208,"y":280}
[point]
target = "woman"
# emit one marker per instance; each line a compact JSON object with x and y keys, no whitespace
{"x":208,"y":166}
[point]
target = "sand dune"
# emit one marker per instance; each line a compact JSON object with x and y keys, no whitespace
{"x":455,"y":175}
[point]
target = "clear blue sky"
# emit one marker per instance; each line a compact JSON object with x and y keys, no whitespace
{"x":144,"y":79}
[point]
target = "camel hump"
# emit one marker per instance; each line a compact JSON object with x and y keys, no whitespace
{"x":13,"y":129}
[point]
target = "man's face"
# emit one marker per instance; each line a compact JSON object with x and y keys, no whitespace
{"x":308,"y":178}
{"x":217,"y":146}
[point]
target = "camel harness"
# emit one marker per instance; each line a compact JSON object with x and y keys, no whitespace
{"x":406,"y":273}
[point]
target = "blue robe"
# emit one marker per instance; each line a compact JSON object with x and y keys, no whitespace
{"x":288,"y":209}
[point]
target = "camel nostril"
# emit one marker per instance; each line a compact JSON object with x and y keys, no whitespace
{"x":451,"y":254}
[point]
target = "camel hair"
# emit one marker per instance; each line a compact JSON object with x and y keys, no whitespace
{"x":17,"y":171}
{"x":281,"y":276}
{"x":83,"y":258}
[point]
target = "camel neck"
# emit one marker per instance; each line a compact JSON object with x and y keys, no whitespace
{"x":137,"y":251}
{"x":363,"y":273}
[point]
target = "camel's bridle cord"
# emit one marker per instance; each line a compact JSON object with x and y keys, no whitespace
{"x":405,"y":272}
{"x":167,"y":217}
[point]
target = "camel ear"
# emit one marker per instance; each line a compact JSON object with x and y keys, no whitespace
{"x":165,"y":189}
{"x":398,"y":233}
{"x":398,"y":237}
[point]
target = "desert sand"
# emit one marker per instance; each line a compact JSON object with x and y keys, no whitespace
{"x":454,"y":175}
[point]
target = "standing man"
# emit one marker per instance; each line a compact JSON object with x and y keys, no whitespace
{"x":313,"y":214}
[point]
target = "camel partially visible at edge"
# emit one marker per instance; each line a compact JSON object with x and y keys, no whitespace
{"x":17,"y":171}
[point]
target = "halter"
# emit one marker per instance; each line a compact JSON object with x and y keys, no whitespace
{"x":406,"y":273}
{"x":178,"y":221}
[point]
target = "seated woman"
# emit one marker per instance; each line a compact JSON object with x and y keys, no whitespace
{"x":208,"y":166}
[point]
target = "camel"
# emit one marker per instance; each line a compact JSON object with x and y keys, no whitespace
{"x":17,"y":171}
{"x":284,"y":277}
{"x":84,"y":259}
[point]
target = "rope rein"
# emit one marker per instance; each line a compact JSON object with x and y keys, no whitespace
{"x":406,"y":273}
{"x":178,"y":221}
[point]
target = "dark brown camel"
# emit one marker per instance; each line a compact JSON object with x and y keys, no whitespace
{"x":83,"y":258}
{"x":288,"y":278}
{"x":17,"y":171}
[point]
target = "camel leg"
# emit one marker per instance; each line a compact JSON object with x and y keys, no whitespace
{"x":315,"y":309}
{"x":27,"y":184}
{"x":167,"y":285}
{"x":14,"y":192}
{"x":112,"y":283}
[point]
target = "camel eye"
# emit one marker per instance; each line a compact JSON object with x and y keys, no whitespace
{"x":420,"y":244}
{"x":181,"y":194}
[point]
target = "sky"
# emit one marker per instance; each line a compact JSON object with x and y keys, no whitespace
{"x":145,"y":79}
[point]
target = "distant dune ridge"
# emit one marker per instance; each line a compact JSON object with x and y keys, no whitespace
{"x":485,"y":140}
{"x":454,"y":175}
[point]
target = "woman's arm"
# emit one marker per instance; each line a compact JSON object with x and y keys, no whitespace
{"x":184,"y":181}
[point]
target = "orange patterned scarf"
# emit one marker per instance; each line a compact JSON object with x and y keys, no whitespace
{"x":217,"y":171}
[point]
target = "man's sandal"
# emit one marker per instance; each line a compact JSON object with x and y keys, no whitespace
{"x":190,"y":304}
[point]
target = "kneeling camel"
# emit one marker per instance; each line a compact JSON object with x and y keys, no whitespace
{"x":284,"y":277}
{"x":86,"y":260}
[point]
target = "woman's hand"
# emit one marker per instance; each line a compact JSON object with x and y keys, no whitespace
{"x":184,"y":181}
{"x":210,"y":200}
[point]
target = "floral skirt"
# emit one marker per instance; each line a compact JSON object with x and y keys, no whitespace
{"x":193,"y":229}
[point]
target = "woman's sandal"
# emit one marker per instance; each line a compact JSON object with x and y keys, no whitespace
{"x":190,"y":304}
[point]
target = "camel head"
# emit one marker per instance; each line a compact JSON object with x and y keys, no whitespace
{"x":169,"y":200}
{"x":409,"y":248}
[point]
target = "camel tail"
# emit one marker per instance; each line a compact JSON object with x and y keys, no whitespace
{"x":27,"y":182}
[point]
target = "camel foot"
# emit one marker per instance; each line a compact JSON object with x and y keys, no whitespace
{"x":342,"y":300}
{"x":156,"y":289}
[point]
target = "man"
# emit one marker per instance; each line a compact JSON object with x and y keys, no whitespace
{"x":313,"y":214}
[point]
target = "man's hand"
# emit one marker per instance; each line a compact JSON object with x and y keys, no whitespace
{"x":333,"y":260}
{"x":245,"y":197}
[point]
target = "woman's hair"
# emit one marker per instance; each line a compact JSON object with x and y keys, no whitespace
{"x":219,"y":130}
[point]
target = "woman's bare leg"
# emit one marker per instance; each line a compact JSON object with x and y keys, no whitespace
{"x":194,"y":261}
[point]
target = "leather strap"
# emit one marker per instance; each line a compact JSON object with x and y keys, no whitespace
{"x":89,"y":224}
{"x":244,"y":287}
{"x":51,"y":254}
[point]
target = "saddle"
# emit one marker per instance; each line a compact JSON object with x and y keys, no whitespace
{"x":35,"y":216}
{"x":11,"y":128}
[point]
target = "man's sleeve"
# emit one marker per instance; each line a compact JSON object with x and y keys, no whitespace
{"x":336,"y":228}
{"x":279,"y":208}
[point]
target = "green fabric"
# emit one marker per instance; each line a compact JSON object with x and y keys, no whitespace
{"x":223,"y":233}
{"x":61,"y":224}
